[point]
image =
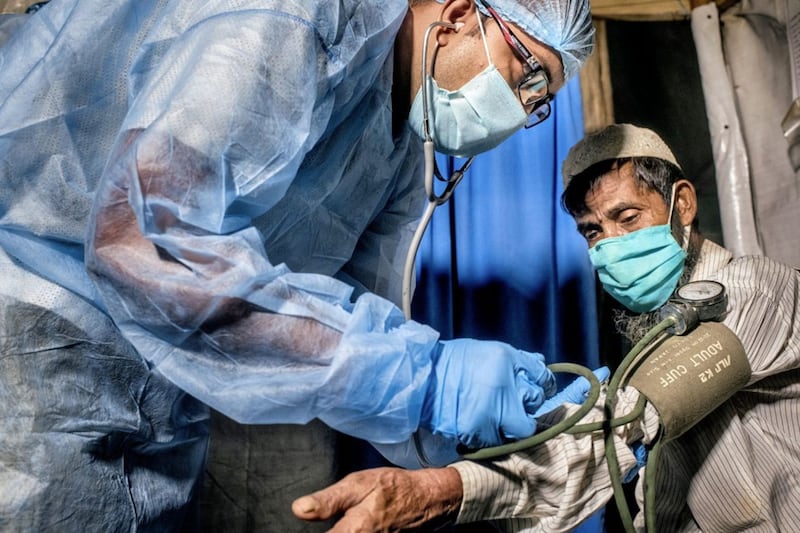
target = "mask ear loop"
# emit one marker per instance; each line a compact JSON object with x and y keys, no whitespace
{"x":483,"y":36}
{"x":671,"y":205}
{"x":686,"y":230}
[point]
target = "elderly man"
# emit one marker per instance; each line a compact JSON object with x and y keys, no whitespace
{"x":208,"y":204}
{"x":733,"y":469}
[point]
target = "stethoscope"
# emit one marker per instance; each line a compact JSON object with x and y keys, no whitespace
{"x":436,"y":199}
{"x":431,"y":170}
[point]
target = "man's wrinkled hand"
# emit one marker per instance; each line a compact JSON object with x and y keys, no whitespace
{"x":385,"y":499}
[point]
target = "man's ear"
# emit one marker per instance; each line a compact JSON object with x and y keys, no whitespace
{"x":455,"y":12}
{"x":685,"y":201}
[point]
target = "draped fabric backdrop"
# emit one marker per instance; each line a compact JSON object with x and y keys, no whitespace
{"x":501,"y":260}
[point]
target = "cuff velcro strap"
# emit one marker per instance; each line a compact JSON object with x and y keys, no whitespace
{"x":686,"y":377}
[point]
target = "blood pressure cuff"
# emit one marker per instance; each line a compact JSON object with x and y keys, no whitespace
{"x":686,"y":377}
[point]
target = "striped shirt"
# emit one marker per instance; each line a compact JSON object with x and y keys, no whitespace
{"x":738,"y":469}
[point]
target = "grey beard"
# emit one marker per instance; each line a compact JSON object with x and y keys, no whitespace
{"x":634,"y":326}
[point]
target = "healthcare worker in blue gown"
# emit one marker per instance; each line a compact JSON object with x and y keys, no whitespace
{"x":208,"y":204}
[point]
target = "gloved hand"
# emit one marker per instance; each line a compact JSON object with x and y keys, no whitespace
{"x":576,"y":392}
{"x":640,"y":452}
{"x":484,"y":393}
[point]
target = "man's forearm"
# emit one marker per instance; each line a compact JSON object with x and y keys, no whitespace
{"x":561,"y":481}
{"x":443,"y":492}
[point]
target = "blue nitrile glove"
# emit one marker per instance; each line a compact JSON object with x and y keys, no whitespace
{"x":485,"y":392}
{"x":640,"y":452}
{"x":576,"y":392}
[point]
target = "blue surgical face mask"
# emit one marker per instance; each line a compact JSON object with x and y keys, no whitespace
{"x":640,"y":269}
{"x":470,"y":120}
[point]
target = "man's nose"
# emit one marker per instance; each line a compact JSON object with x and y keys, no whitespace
{"x":613,"y":230}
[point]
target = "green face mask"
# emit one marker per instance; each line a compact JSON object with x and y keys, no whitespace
{"x":640,"y":269}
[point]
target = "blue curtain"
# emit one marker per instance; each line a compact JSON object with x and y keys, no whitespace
{"x":501,"y":260}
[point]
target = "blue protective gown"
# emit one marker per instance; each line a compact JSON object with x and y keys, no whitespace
{"x":181,"y":183}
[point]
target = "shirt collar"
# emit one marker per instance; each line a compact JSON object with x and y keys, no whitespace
{"x":713,"y":258}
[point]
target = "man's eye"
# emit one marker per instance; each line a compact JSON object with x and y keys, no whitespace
{"x":590,"y":235}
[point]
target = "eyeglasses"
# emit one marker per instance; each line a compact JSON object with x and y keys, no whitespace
{"x":534,"y":89}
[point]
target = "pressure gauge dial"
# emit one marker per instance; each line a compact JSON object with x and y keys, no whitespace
{"x":695,"y":302}
{"x":707,"y":297}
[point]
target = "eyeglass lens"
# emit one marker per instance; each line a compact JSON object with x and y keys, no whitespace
{"x":534,"y":88}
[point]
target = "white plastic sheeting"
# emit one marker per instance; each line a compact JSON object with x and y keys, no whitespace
{"x":744,"y":62}
{"x":730,"y":154}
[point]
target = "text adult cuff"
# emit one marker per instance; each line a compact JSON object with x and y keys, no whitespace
{"x":687,"y":377}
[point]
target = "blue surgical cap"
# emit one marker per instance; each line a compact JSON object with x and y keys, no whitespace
{"x":565,"y":25}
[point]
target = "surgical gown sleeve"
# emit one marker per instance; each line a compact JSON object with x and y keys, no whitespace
{"x":216,"y":132}
{"x":8,"y":24}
